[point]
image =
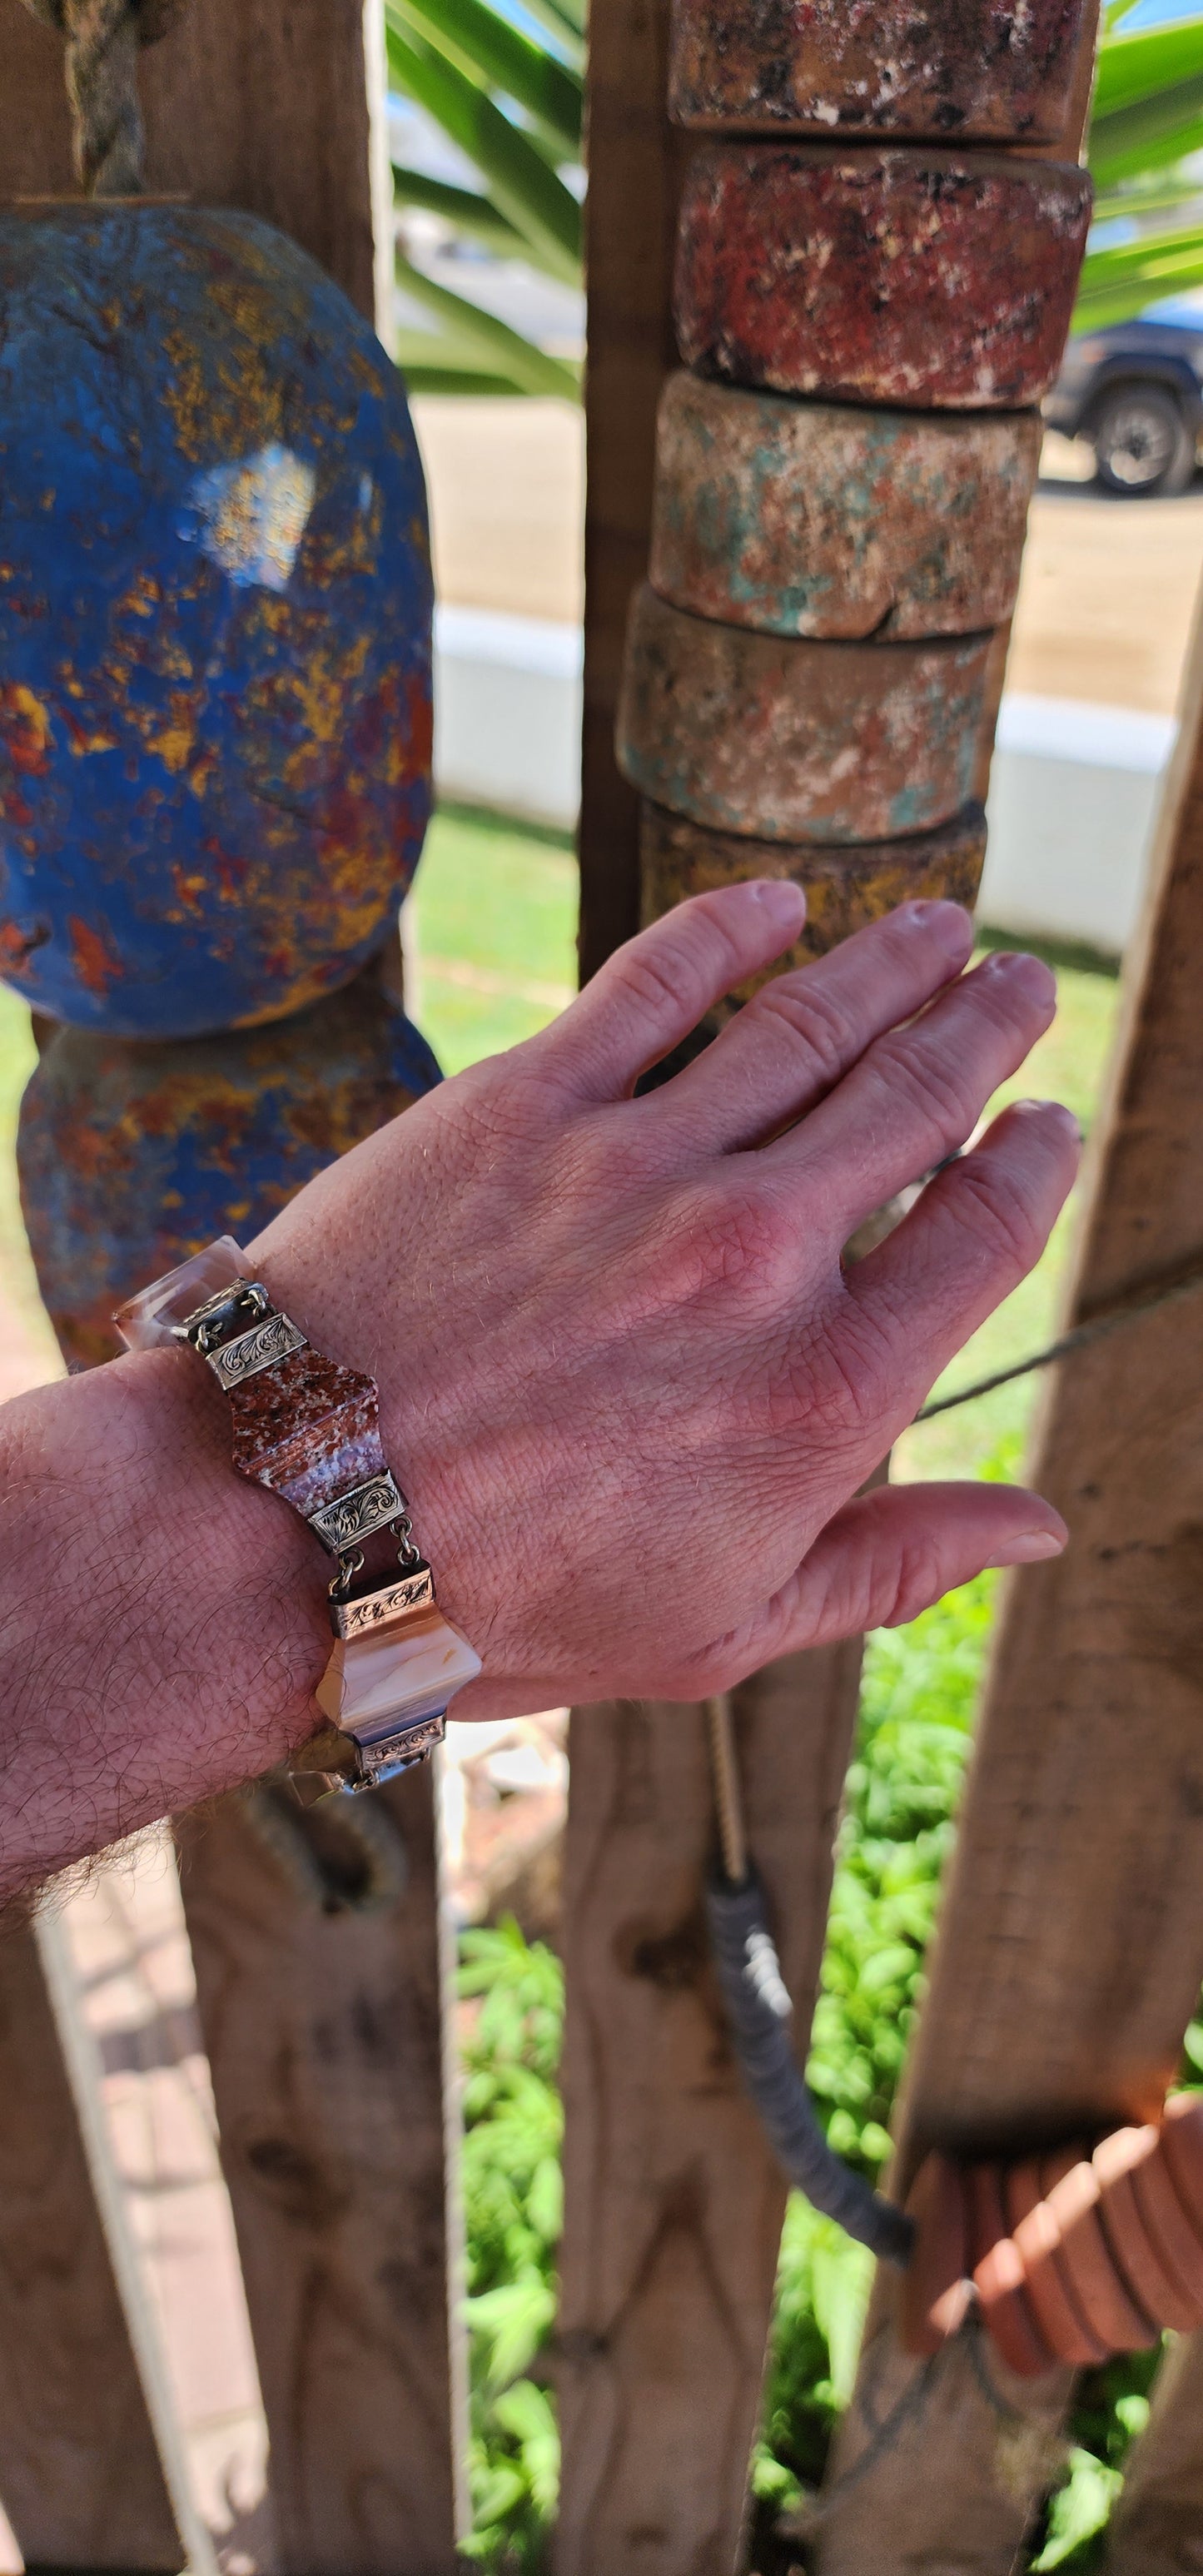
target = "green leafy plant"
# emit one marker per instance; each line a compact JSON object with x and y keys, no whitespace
{"x":914,"y":1734}
{"x":512,"y":2005}
{"x":1147,"y":117}
{"x":513,"y":108}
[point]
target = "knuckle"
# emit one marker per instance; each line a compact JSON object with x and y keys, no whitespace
{"x":908,"y":1585}
{"x":739,"y":1240}
{"x":924,"y":1077}
{"x":997,"y":1211}
{"x":845,"y":1374}
{"x":813,"y":1019}
{"x":658,"y":979}
{"x":679,"y":963}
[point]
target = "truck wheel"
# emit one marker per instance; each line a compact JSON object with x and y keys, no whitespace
{"x":1141,"y":442}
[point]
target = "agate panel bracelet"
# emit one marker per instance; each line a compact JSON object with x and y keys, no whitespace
{"x":309,"y":1429}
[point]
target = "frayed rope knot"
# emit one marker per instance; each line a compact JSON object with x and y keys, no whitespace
{"x":103,"y":37}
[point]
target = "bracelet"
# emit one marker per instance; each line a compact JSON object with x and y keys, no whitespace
{"x":309,"y":1429}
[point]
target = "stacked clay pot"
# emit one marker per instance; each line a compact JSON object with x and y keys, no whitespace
{"x":876,"y":267}
{"x":215,"y":731}
{"x":1068,"y":2256}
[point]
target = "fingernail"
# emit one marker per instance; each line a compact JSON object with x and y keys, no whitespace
{"x":1052,"y":1109}
{"x":782,"y":900}
{"x":1028,"y":974}
{"x":947,"y":923}
{"x":1029,"y":1547}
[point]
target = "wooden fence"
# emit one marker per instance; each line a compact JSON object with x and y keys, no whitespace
{"x":1072,"y":1948}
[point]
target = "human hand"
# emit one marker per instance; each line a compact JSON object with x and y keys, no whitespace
{"x":626,"y":1382}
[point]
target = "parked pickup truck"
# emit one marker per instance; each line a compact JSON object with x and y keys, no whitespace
{"x":1135,"y":392}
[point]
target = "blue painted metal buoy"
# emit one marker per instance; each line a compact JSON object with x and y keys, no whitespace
{"x":215,"y":609}
{"x":132,"y":1156}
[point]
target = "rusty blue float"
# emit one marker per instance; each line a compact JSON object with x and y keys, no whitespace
{"x":132,"y":1156}
{"x":215,"y":613}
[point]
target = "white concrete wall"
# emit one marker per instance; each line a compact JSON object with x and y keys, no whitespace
{"x":1072,"y":797}
{"x":1072,"y":800}
{"x":507,"y":713}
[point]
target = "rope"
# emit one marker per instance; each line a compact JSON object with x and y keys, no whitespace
{"x":724,"y":1772}
{"x":344,"y":1856}
{"x":1183,"y":1280}
{"x":758,"y":2016}
{"x":758,"y":2013}
{"x":103,"y":37}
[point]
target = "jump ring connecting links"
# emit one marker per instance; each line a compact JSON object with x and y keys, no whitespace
{"x":350,"y":1563}
{"x":409,"y":1554}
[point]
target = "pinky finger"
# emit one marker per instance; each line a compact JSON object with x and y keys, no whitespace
{"x":887,"y":1556}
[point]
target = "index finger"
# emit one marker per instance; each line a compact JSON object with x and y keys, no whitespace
{"x":654,"y":989}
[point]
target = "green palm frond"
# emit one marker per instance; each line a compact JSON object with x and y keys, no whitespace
{"x":1147,"y":117}
{"x":484,"y":47}
{"x":475,"y":342}
{"x":521,"y":185}
{"x":1116,"y":283}
{"x":473,"y":216}
{"x":513,"y":108}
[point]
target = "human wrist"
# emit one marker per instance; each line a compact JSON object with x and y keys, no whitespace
{"x":306,"y":1425}
{"x":166,"y":1635}
{"x":239,"y":1581}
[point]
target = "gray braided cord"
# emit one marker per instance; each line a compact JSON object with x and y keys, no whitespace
{"x":103,"y":37}
{"x":758,"y":2011}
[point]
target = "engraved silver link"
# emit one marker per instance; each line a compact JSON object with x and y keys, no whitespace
{"x":342,"y":1522}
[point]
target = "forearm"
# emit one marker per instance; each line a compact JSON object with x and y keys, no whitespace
{"x":162,"y":1623}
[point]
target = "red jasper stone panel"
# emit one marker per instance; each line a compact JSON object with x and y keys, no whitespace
{"x":932,"y":280}
{"x":307,"y":1428}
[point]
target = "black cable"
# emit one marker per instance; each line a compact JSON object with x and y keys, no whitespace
{"x":1182,"y":1281}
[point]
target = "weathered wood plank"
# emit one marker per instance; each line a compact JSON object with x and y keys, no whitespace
{"x":1071,"y":1948}
{"x":673,"y":2200}
{"x":325,"y":2032}
{"x":635,"y":167}
{"x":246,"y":105}
{"x":1158,"y":2522}
{"x":79,"y":2470}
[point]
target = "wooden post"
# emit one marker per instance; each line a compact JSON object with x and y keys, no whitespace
{"x":673,"y":2204}
{"x":325,"y":2030}
{"x":79,"y":2470}
{"x":324,"y":2026}
{"x":635,"y":163}
{"x":1071,"y":1945}
{"x":674,"y":2200}
{"x":246,"y":105}
{"x":1157,"y":2521}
